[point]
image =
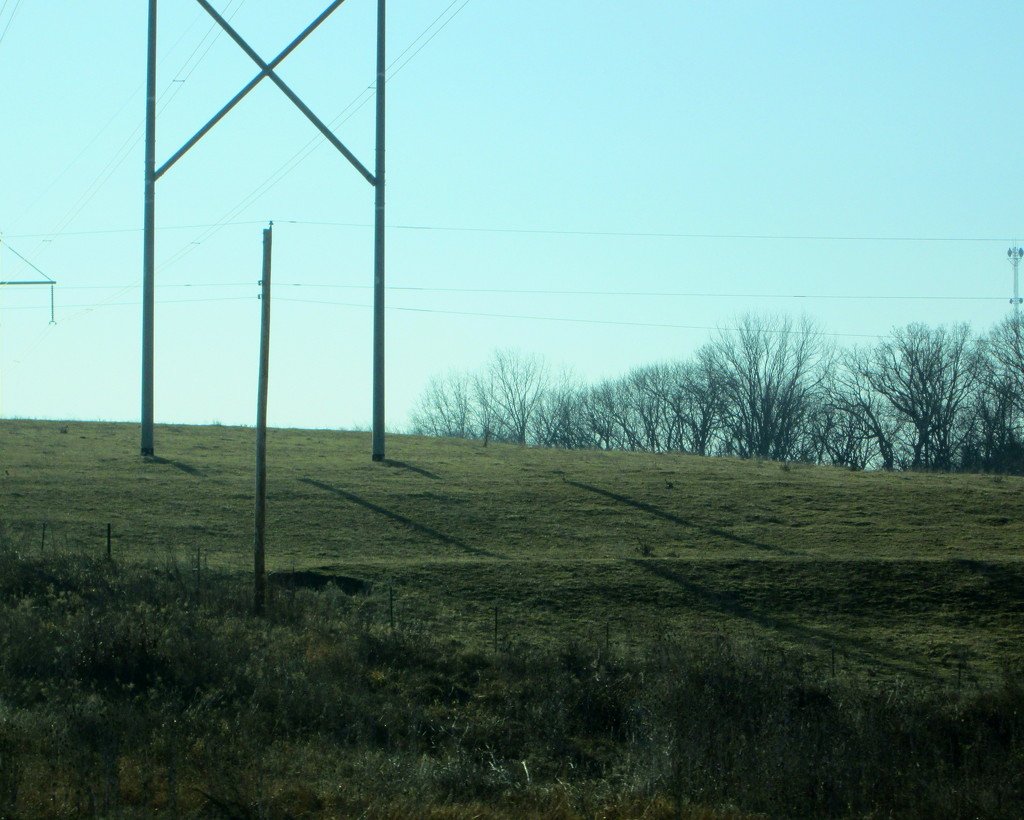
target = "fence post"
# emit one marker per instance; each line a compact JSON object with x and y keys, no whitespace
{"x":391,"y":606}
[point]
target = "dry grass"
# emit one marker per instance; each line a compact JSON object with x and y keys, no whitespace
{"x":125,"y":694}
{"x":903,"y":574}
{"x":532,"y":634}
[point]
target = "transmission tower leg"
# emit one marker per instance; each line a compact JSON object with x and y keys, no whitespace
{"x":149,"y":241}
{"x":378,"y":250}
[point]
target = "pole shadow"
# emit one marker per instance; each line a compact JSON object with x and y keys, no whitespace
{"x":401,"y":519}
{"x":1004,"y":589}
{"x":727,"y":604}
{"x":177,"y":465}
{"x":389,"y":462}
{"x":658,"y":513}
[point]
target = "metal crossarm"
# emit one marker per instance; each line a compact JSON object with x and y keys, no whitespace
{"x":47,"y":279}
{"x":280,"y":58}
{"x":268,"y":71}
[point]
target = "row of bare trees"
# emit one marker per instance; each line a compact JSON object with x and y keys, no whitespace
{"x":771,"y":387}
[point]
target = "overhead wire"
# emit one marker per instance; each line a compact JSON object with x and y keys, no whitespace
{"x":84,"y":308}
{"x":14,"y":11}
{"x":539,"y":231}
{"x":551,"y":292}
{"x":213,"y":30}
{"x":617,"y":322}
{"x":657,"y":294}
{"x":85,"y":149}
{"x":88,"y":307}
{"x":288,"y":166}
{"x":539,"y":292}
{"x":437,"y":31}
{"x":395,"y":67}
{"x":102,"y":231}
{"x":133,"y":138}
{"x":109,"y":301}
{"x":165,"y":98}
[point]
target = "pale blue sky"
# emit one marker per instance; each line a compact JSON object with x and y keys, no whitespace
{"x":751,"y":152}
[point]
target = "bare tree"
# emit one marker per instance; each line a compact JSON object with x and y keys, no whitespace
{"x":671,"y":406}
{"x":697,"y":407}
{"x":770,"y":371}
{"x":508,"y":392}
{"x":997,"y":441}
{"x":769,"y":387}
{"x":646,"y":391}
{"x":864,"y":415}
{"x":608,"y":412}
{"x":638,"y":408}
{"x":446,"y":407}
{"x":561,"y":417}
{"x":927,"y":376}
{"x":1005,"y":347}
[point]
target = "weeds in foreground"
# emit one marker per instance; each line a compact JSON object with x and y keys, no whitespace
{"x":124,"y":692}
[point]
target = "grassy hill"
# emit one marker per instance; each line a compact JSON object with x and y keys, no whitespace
{"x":898,"y":574}
{"x":511,"y":633}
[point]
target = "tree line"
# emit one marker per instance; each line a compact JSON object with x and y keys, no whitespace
{"x":773,"y":387}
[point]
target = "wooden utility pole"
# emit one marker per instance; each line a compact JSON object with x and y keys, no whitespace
{"x":259,"y":551}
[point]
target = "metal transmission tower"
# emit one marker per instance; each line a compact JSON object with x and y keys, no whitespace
{"x":376,"y":179}
{"x":1015,"y":255}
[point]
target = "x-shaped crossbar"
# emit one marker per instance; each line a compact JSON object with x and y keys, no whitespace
{"x":267,"y":70}
{"x":376,"y":179}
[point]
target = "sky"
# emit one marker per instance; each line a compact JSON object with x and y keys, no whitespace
{"x":600,"y":183}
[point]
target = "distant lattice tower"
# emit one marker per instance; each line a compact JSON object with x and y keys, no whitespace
{"x":1015,"y":254}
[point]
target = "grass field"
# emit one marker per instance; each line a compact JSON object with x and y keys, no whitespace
{"x":904,"y":574}
{"x":520,"y":633}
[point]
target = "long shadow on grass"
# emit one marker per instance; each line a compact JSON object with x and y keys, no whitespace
{"x":675,"y":519}
{"x":1005,"y":589}
{"x":728,"y":604}
{"x":401,"y":519}
{"x":177,"y":465}
{"x":389,"y":462}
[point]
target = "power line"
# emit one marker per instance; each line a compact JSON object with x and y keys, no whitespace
{"x":169,"y":92}
{"x":287,"y":167}
{"x":102,"y":231}
{"x":10,"y":19}
{"x":538,"y":231}
{"x":214,"y":30}
{"x":528,"y":292}
{"x":615,"y":322}
{"x":88,"y":307}
{"x":665,"y":234}
{"x":97,"y":305}
{"x":86,"y":148}
{"x":658,"y":294}
{"x":431,"y":37}
{"x":164,"y":286}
